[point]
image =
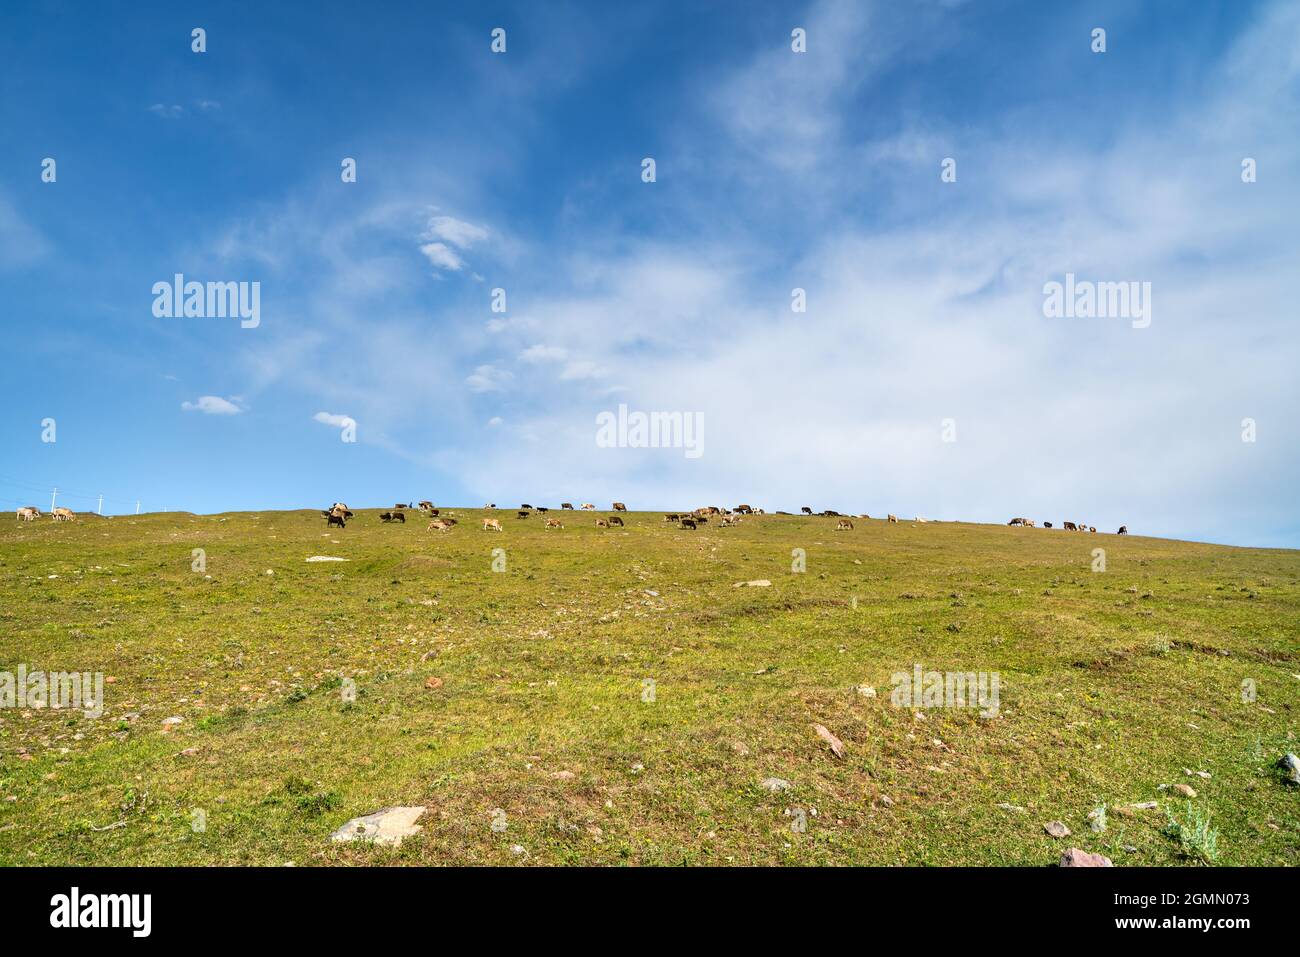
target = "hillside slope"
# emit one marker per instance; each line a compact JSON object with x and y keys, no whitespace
{"x":610,"y":697}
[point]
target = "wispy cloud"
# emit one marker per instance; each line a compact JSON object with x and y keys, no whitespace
{"x":212,"y":405}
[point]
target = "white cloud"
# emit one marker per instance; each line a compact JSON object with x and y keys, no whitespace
{"x":544,"y":353}
{"x":495,"y":421}
{"x":167,"y":112}
{"x":442,"y":256}
{"x":330,"y":418}
{"x":455,"y":231}
{"x":488,"y":378}
{"x":212,"y":405}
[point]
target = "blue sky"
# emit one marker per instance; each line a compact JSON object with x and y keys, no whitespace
{"x":775,"y":170}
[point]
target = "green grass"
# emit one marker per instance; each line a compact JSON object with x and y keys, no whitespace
{"x":1111,"y":684}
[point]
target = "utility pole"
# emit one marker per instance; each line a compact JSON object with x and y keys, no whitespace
{"x":101,"y":503}
{"x":53,"y":496}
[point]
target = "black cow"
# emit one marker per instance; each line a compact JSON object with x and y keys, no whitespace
{"x":335,"y":519}
{"x":688,"y":523}
{"x":615,"y":520}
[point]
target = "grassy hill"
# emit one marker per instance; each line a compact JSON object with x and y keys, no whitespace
{"x":1112,"y":684}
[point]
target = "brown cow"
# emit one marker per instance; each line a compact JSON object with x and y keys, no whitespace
{"x":620,"y":507}
{"x":393,"y":517}
{"x":893,"y":519}
{"x":844,"y":525}
{"x":491,"y":524}
{"x":426,"y":506}
{"x":672,"y":518}
{"x":601,"y":523}
{"x":554,"y":523}
{"x":440,"y":525}
{"x":1069,"y":526}
{"x":568,"y":505}
{"x":615,"y":520}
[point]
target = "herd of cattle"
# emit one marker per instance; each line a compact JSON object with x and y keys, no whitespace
{"x":338,"y":514}
{"x":30,"y":513}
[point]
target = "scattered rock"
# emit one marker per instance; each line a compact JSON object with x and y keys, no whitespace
{"x":1186,"y":790}
{"x":1057,"y":829}
{"x":837,"y":746}
{"x":325,"y":558}
{"x":563,"y":775}
{"x":1077,"y":858}
{"x":433,"y":683}
{"x":389,"y":826}
{"x":775,"y":785}
{"x":1097,"y":819}
{"x":756,"y":583}
{"x":866,"y":691}
{"x":885,"y":801}
{"x":1130,"y":810}
{"x":1290,"y":766}
{"x":1010,"y":807}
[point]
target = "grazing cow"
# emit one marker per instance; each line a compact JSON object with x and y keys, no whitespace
{"x":1123,"y":530}
{"x":543,"y":509}
{"x":1092,"y":528}
{"x":1067,"y":526}
{"x":844,"y":525}
{"x":892,"y":519}
{"x":525,"y":505}
{"x":620,"y":507}
{"x":441,"y":525}
{"x":759,"y":511}
{"x":688,"y":523}
{"x":28,"y":513}
{"x":335,"y":518}
{"x":62,"y":514}
{"x":491,"y":524}
{"x":426,"y":506}
{"x":435,"y":512}
{"x":1018,"y":521}
{"x":521,"y":514}
{"x":601,"y":523}
{"x":587,"y":507}
{"x":1047,"y":524}
{"x":672,"y":518}
{"x":806,"y":510}
{"x":615,"y":520}
{"x":744,"y":510}
{"x":568,"y":505}
{"x":399,"y":506}
{"x":729,"y":520}
{"x":489,"y":506}
{"x":554,"y":523}
{"x":1029,"y":523}
{"x":864,"y":515}
{"x":393,"y":517}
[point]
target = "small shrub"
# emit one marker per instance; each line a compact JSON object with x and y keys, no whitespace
{"x":1193,"y":835}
